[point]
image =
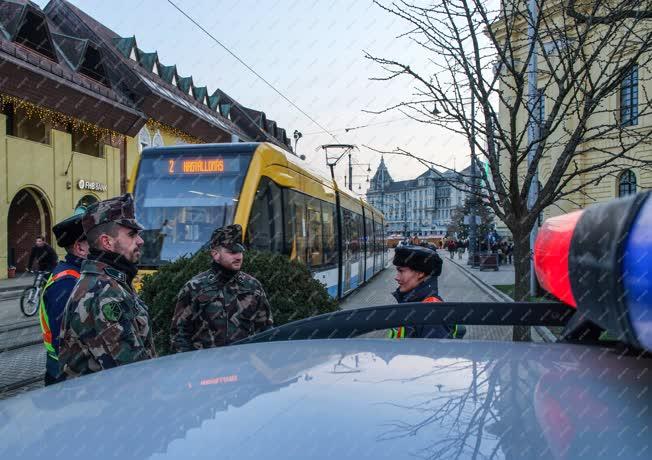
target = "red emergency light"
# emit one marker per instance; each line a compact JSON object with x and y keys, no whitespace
{"x":599,"y":260}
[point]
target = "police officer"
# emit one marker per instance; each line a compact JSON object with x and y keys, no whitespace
{"x":69,"y":234}
{"x":105,"y":323}
{"x":223,"y":304}
{"x":417,"y":269}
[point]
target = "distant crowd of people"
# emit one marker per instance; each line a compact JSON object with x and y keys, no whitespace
{"x":458,"y":246}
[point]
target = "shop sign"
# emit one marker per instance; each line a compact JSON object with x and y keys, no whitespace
{"x":84,"y":184}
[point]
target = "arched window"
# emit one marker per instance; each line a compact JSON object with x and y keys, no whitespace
{"x":158,"y":139}
{"x":627,"y":183}
{"x":86,"y":201}
{"x":144,"y":139}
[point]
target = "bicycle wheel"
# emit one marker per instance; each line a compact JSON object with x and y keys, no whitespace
{"x":29,"y":301}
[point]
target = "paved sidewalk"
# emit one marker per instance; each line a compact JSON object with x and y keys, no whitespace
{"x":19,"y":283}
{"x":504,"y":275}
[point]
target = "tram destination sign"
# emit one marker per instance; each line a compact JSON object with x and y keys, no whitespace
{"x":195,"y":166}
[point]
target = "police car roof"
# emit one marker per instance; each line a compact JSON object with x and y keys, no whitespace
{"x":356,"y":398}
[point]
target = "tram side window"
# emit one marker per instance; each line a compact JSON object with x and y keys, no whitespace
{"x":296,"y":226}
{"x":369,"y":237}
{"x":328,"y":222}
{"x":355,"y":221}
{"x":315,"y":234}
{"x":265,"y":231}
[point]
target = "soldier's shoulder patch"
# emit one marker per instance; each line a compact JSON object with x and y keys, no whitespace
{"x":116,"y":274}
{"x":112,"y":311}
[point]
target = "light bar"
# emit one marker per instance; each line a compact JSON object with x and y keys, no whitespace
{"x":599,"y":260}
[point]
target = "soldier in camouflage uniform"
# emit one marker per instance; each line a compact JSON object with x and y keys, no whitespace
{"x":221,"y":305}
{"x":105,"y":323}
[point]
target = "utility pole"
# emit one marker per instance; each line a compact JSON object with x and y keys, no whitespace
{"x":350,"y":172}
{"x":533,"y":129}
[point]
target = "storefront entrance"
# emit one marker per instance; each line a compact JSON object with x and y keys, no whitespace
{"x":29,"y":217}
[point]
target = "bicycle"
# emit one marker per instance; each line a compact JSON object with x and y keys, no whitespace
{"x":31,"y":297}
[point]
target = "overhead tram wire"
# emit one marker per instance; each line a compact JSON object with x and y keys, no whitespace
{"x":252,"y":70}
{"x":358,"y":127}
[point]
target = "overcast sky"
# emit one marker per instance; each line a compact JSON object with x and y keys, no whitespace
{"x":311,"y":51}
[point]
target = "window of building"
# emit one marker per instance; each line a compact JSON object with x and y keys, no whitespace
{"x":627,"y":183}
{"x":144,"y":139}
{"x":629,"y":98}
{"x":19,"y":124}
{"x":87,"y":144}
{"x":34,"y":34}
{"x":157,"y":141}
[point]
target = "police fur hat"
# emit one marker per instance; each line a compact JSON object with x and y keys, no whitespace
{"x":418,"y":258}
{"x":68,"y":231}
{"x":229,"y":237}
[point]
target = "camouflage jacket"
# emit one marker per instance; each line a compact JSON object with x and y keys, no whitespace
{"x":213,"y":311}
{"x":105,"y":323}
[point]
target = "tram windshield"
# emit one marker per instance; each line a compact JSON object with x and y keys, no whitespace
{"x":181,"y":196}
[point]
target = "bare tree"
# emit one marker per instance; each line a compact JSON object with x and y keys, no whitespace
{"x":477,"y":51}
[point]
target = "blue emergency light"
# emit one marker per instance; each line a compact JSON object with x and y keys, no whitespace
{"x":599,"y":260}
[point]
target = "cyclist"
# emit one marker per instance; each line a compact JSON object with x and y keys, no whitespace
{"x":43,"y":254}
{"x":70,"y":235}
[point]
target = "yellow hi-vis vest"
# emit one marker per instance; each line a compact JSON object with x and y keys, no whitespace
{"x":399,"y":332}
{"x":43,"y":314}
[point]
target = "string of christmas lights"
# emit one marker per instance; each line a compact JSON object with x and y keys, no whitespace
{"x":153,"y":125}
{"x":60,"y":120}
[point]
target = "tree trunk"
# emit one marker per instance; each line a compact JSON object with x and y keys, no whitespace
{"x":521,"y":277}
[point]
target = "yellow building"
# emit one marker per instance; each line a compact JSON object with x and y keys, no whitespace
{"x":623,"y":115}
{"x":78,"y":103}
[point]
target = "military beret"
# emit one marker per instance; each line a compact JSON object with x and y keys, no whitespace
{"x":68,"y":231}
{"x":119,"y":210}
{"x":229,"y":237}
{"x":417,"y":258}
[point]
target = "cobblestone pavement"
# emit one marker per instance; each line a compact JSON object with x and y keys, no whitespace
{"x":19,"y":365}
{"x":454,"y":285}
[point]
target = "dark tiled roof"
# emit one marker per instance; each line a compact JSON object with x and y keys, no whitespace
{"x":11,"y":15}
{"x":271,"y":127}
{"x":213,"y":102}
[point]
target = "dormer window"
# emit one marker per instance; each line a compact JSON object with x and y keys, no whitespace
{"x":174,"y":80}
{"x":155,"y":69}
{"x":34,"y":34}
{"x":132,"y":55}
{"x":93,"y":67}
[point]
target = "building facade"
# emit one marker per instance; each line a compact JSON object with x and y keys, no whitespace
{"x":422,"y":206}
{"x":78,"y":103}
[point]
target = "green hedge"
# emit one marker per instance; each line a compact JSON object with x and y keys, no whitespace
{"x":292,"y":291}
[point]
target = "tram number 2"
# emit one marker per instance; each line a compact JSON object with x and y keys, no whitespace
{"x":171,"y":166}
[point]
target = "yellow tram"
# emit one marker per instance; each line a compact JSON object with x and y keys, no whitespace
{"x":183,"y":193}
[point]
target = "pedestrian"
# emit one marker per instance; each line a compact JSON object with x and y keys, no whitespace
{"x":460,"y":249}
{"x":43,"y":254}
{"x":70,"y":236}
{"x":452,"y":247}
{"x":510,"y":252}
{"x":221,"y":305}
{"x":105,"y":323}
{"x":417,"y":270}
